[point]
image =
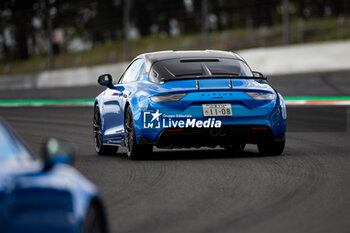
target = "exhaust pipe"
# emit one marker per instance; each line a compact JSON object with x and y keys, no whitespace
{"x":214,"y":132}
{"x":218,"y":132}
{"x":222,"y":133}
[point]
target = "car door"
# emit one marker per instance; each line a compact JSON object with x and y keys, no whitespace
{"x":42,"y":202}
{"x":30,"y":199}
{"x":15,"y":161}
{"x":115,"y":99}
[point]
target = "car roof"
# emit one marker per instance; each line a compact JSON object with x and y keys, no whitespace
{"x":151,"y":58}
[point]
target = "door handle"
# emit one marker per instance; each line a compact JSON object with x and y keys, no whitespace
{"x":117,"y":93}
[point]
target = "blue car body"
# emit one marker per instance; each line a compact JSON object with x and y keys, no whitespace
{"x":35,"y":199}
{"x":198,"y":89}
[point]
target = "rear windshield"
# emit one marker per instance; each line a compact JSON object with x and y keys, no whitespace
{"x":173,"y":69}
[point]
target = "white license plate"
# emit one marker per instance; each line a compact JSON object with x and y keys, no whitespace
{"x":217,"y":110}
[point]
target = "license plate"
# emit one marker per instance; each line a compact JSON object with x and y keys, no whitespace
{"x":217,"y":110}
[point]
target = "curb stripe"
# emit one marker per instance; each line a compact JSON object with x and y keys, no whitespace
{"x":318,"y":98}
{"x":45,"y":102}
{"x":298,"y":100}
{"x":324,"y":102}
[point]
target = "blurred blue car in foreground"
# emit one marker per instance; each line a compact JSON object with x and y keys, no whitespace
{"x":45,"y":196}
{"x":183,"y":99}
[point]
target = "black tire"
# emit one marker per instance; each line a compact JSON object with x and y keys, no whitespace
{"x":94,"y":220}
{"x":235,"y":148}
{"x":133,"y":150}
{"x":272,"y":148}
{"x":98,"y":137}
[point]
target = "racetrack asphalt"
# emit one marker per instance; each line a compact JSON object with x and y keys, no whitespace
{"x":307,"y":189}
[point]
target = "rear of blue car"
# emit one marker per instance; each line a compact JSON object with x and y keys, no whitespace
{"x":248,"y":111}
{"x":209,"y":102}
{"x":178,"y":99}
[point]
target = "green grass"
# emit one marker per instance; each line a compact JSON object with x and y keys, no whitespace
{"x":316,"y":30}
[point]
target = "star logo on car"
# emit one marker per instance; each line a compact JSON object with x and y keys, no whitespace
{"x":156,"y":115}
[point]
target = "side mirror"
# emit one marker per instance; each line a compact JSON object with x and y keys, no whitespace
{"x":259,"y":75}
{"x":105,"y":80}
{"x":57,"y":152}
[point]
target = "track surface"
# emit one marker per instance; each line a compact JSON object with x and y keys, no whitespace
{"x":305,"y":190}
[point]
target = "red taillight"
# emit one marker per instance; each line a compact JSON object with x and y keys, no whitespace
{"x":175,"y":130}
{"x":259,"y":128}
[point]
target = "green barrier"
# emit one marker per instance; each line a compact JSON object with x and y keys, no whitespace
{"x":46,"y":102}
{"x":43,"y":102}
{"x":317,"y":98}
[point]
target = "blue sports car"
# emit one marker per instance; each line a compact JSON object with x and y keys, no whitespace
{"x":45,"y":196}
{"x":183,"y":99}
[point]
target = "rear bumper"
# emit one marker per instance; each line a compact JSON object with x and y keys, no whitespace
{"x":212,"y":137}
{"x":270,"y":114}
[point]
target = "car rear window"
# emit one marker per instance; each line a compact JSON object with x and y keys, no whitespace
{"x":173,"y":69}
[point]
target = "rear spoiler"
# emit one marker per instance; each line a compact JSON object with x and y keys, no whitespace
{"x":213,"y":77}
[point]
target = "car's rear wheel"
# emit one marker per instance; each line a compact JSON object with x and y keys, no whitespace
{"x":272,"y":148}
{"x":94,"y":221}
{"x":133,"y":150}
{"x":235,"y":148}
{"x":98,"y":137}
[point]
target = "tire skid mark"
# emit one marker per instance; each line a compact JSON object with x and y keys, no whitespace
{"x":292,"y":184}
{"x":287,"y":200}
{"x":146,"y":177}
{"x":216,"y":181}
